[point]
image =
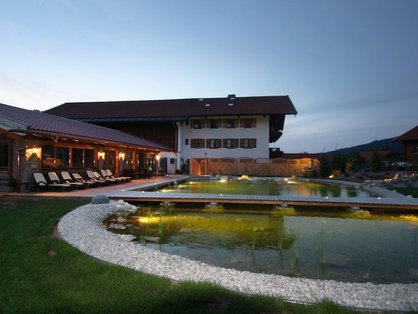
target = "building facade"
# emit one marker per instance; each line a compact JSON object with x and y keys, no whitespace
{"x":229,"y":127}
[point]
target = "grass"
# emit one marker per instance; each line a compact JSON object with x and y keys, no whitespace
{"x":40,"y":273}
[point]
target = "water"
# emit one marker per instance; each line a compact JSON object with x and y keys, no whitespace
{"x":331,"y":245}
{"x":266,"y":187}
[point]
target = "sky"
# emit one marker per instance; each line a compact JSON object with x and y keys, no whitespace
{"x":349,"y":66}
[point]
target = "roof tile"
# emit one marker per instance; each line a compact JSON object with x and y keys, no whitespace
{"x":39,"y":122}
{"x":175,"y":108}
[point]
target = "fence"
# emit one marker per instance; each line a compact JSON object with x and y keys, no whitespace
{"x":254,"y":167}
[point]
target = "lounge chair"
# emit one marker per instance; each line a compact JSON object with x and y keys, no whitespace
{"x":111,"y":175}
{"x":107,"y":179}
{"x":106,"y":176}
{"x":42,"y":183}
{"x":68,"y":179}
{"x":93,"y":178}
{"x":78,"y":178}
{"x":54,"y":179}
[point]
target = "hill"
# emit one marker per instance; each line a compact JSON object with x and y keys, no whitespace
{"x":385,"y":144}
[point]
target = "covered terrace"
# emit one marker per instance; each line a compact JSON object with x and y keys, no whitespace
{"x":33,"y":141}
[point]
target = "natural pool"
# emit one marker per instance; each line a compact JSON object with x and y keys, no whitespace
{"x":278,"y":186}
{"x":344,"y":245}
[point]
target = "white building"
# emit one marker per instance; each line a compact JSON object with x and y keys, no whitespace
{"x":228,"y":127}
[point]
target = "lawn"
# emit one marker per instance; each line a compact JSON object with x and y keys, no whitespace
{"x":40,"y":273}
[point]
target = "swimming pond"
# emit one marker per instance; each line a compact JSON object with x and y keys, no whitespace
{"x":272,"y":187}
{"x":345,"y":245}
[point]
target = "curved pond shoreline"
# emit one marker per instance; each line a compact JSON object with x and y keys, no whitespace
{"x":82,"y":229}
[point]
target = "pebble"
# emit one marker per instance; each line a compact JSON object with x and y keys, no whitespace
{"x":82,"y":229}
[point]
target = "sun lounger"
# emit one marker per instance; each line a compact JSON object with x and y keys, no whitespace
{"x":92,"y":177}
{"x":100,"y":177}
{"x":68,"y":179}
{"x":54,"y":179}
{"x":105,"y":175}
{"x":77,"y":177}
{"x":43,"y":184}
{"x":111,"y":175}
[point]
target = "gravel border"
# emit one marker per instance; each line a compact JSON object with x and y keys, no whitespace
{"x":82,"y":229}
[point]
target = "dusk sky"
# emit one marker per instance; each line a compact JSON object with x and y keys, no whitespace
{"x":350,"y":67}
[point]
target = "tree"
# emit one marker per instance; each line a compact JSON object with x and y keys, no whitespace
{"x":324,"y":169}
{"x":375,"y":164}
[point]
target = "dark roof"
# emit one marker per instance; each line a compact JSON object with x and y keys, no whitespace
{"x":43,"y":123}
{"x":411,"y":135}
{"x":175,"y":109}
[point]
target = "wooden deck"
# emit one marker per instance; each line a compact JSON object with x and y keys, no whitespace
{"x":352,"y":202}
{"x":126,"y":192}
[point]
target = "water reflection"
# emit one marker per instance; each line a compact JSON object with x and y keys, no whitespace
{"x":266,"y":187}
{"x":285,"y":241}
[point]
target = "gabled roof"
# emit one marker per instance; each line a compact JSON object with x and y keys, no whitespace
{"x":174,"y":109}
{"x":35,"y":122}
{"x":411,"y":135}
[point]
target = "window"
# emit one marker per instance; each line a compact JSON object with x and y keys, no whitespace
{"x":48,"y":156}
{"x":214,"y":123}
{"x":248,"y":143}
{"x":230,"y":123}
{"x":59,"y":157}
{"x":77,"y":158}
{"x":197,"y":124}
{"x":248,"y":123}
{"x":213,"y":143}
{"x":88,"y":158}
{"x":230,"y":143}
{"x":197,"y":143}
{"x":172,"y":161}
{"x":4,"y":155}
{"x":62,"y":156}
{"x":186,"y":141}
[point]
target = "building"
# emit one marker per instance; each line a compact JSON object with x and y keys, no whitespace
{"x":229,"y":128}
{"x":410,"y":142}
{"x":32,"y":141}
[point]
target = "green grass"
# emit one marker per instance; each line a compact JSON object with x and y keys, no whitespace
{"x":40,"y":273}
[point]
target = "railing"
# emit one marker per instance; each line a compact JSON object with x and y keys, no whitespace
{"x":254,"y":167}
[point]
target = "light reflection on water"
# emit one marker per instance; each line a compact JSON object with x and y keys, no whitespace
{"x":305,"y":244}
{"x":266,"y":187}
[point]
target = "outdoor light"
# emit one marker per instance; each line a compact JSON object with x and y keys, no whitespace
{"x":33,"y":151}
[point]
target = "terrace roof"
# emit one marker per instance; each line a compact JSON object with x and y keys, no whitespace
{"x":26,"y":122}
{"x":174,"y":109}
